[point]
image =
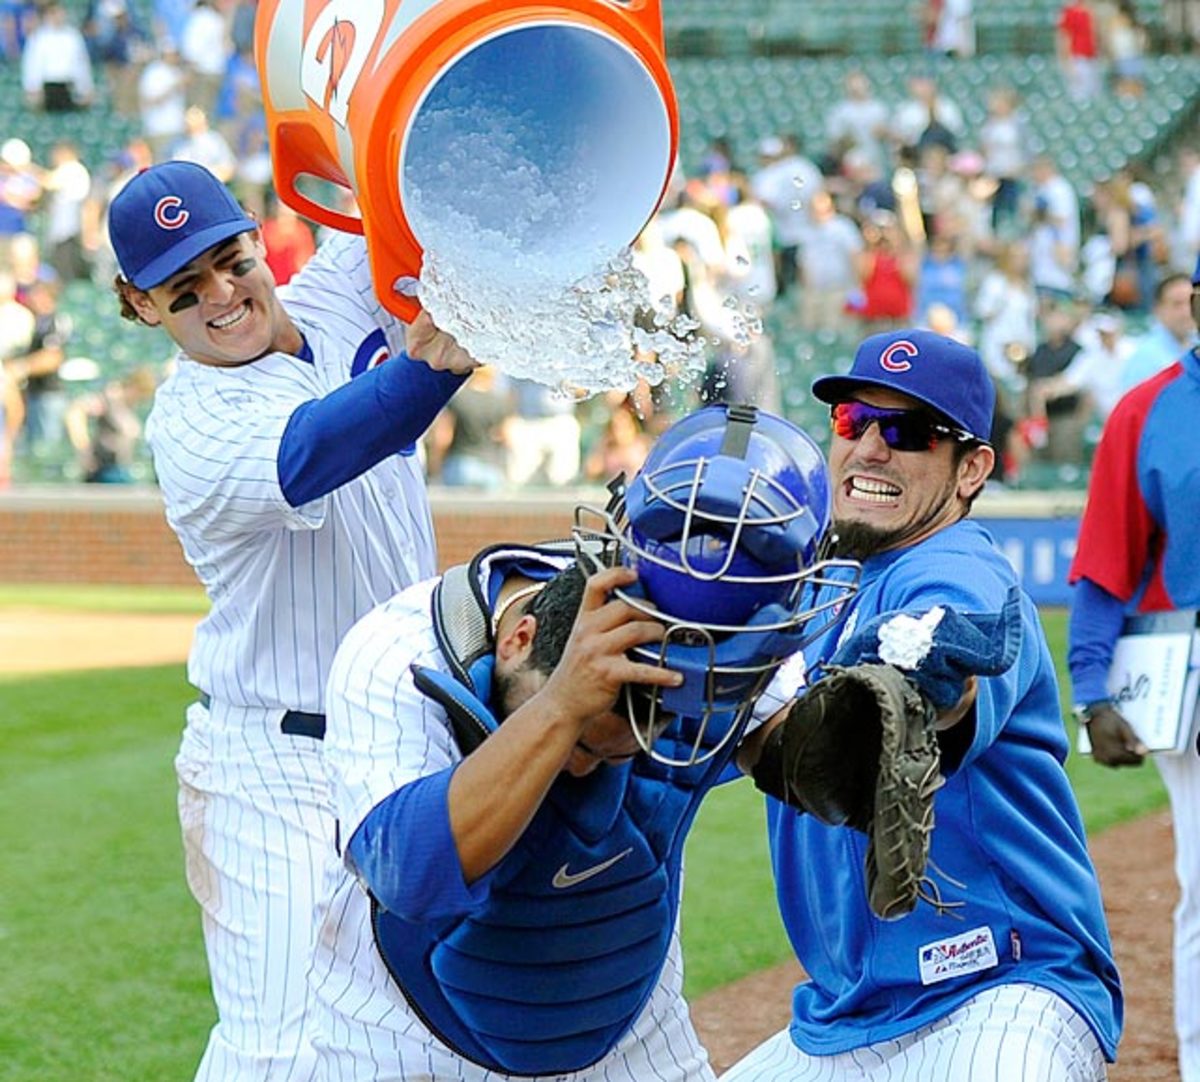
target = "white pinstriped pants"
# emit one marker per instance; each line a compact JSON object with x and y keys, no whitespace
{"x":1181,"y":775}
{"x":257,"y":832}
{"x":1013,"y":1033}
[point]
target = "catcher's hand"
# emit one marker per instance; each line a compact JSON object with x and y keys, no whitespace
{"x":858,"y":749}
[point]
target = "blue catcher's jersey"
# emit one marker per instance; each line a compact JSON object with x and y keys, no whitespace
{"x":549,"y":974}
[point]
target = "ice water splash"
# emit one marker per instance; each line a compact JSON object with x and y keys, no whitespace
{"x":600,"y":332}
{"x":512,"y":269}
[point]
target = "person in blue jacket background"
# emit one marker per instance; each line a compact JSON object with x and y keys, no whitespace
{"x":1137,"y":554}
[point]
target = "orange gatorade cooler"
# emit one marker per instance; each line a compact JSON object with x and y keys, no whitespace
{"x":555,"y":121}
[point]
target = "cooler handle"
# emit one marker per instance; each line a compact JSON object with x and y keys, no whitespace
{"x":295,"y":147}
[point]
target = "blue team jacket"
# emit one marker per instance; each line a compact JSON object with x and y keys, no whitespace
{"x":1008,"y":844}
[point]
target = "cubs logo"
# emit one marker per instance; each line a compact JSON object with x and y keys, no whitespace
{"x":893,"y":359}
{"x":169,"y":213}
{"x":373,"y":351}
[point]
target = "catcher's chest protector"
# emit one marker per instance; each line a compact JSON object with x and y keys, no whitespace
{"x":555,"y":966}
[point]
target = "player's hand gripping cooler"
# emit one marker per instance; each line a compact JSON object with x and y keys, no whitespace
{"x":725,"y":524}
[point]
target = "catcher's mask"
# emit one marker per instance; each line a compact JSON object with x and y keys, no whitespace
{"x":725,"y":524}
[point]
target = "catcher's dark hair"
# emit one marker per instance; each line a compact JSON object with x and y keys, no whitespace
{"x":554,"y":608}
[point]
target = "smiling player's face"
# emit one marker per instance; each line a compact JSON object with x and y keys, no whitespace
{"x":221,"y":308}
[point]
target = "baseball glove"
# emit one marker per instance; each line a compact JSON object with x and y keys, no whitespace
{"x":858,"y":749}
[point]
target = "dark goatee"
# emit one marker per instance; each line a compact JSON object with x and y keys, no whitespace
{"x":858,"y":540}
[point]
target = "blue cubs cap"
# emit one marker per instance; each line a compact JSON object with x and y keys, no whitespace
{"x":168,"y":215}
{"x":931,"y":368}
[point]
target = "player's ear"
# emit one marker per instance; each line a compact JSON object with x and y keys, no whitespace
{"x":974,"y":470}
{"x":139,"y":301}
{"x":514,"y":645}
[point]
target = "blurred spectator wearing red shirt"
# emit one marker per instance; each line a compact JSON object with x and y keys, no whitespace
{"x":288,"y":238}
{"x":1078,"y":54}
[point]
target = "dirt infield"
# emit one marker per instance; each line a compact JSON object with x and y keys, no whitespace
{"x":37,"y":640}
{"x":1134,"y":860}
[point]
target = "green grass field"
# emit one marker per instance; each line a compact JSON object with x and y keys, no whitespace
{"x":105,"y":976}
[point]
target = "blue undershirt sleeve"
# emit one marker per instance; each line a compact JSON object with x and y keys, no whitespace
{"x":382,"y":412}
{"x":1095,"y":624}
{"x":405,"y":854}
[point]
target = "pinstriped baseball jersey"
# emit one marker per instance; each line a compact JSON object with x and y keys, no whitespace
{"x":382,"y":735}
{"x":286,"y":583}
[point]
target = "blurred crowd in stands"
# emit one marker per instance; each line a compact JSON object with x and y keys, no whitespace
{"x":901,"y":216}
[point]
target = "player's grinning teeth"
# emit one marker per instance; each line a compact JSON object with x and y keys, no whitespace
{"x":879,"y":491}
{"x":228,"y":321}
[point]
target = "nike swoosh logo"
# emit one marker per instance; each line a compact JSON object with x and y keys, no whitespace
{"x":563,"y":878}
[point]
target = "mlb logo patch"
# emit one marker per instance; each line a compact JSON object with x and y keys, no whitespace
{"x":966,"y":953}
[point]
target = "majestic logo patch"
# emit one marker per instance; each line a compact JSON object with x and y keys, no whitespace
{"x":169,"y":213}
{"x":893,"y":359}
{"x":564,"y":879}
{"x":966,"y":953}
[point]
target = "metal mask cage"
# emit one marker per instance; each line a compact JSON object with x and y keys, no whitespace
{"x":763,"y":495}
{"x":722,"y":688}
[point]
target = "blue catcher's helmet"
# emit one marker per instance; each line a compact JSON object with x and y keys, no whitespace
{"x":724,"y":523}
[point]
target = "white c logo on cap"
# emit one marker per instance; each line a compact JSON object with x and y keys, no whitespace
{"x":168,"y":212}
{"x":887,"y":358}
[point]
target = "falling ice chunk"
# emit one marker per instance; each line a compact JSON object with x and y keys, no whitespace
{"x":905,"y":641}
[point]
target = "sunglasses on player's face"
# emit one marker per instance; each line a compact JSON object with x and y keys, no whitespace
{"x":901,"y":430}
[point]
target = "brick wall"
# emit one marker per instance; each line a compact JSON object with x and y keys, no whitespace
{"x":94,"y":534}
{"x":117,"y":535}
